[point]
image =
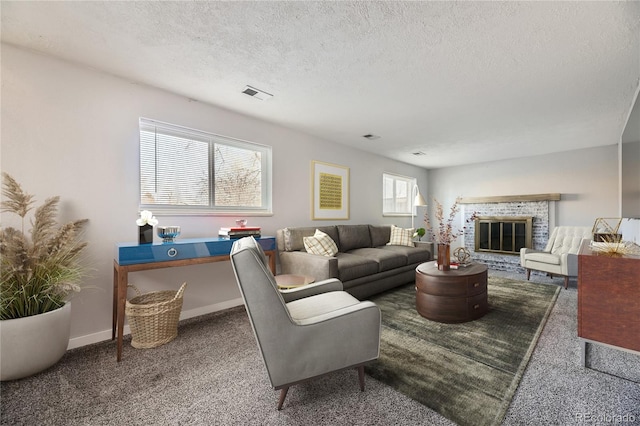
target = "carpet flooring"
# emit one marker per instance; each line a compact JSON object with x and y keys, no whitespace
{"x":212,"y":374}
{"x":467,"y":372}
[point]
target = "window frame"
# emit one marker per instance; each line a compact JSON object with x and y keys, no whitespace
{"x":266,"y":209}
{"x":412,"y":182}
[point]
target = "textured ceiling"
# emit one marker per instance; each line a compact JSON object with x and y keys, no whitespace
{"x":461,"y":82}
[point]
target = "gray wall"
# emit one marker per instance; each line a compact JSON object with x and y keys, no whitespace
{"x":587,"y":180}
{"x":630,"y":190}
{"x":630,"y":165}
{"x":73,"y":132}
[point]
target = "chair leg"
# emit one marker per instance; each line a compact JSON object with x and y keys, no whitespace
{"x":283,"y":395}
{"x":566,"y":282}
{"x":528,"y":274}
{"x":361,"y":377}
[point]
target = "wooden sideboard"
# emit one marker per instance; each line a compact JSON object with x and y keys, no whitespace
{"x":608,"y":300}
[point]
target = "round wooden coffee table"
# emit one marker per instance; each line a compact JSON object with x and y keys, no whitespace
{"x":454,"y":296}
{"x":286,"y":281}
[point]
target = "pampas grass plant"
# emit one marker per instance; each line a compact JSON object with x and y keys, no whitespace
{"x":39,"y":268}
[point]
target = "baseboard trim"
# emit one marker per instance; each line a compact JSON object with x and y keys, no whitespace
{"x":101,"y":336}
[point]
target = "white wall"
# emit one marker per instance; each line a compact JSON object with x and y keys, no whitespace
{"x":630,"y":164}
{"x":587,"y":180}
{"x":630,"y":179}
{"x":72,"y":131}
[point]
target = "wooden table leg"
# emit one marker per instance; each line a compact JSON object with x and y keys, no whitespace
{"x":122,"y":298}
{"x":114,"y":317}
{"x":272,"y":261}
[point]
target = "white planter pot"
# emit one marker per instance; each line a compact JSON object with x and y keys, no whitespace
{"x":33,"y":344}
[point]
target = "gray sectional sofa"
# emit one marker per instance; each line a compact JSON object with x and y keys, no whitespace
{"x":365,"y":264}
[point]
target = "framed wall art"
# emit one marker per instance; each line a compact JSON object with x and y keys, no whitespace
{"x":330,"y":191}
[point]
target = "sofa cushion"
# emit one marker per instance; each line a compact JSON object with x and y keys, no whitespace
{"x":412,"y":254}
{"x":549,"y":258}
{"x":293,"y":237}
{"x":351,"y":266}
{"x":320,"y":243}
{"x":401,"y":237}
{"x":353,"y":237}
{"x":379,"y":235}
{"x":386,"y":259}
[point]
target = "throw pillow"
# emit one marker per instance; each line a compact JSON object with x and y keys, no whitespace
{"x":321,"y":244}
{"x":401,"y":237}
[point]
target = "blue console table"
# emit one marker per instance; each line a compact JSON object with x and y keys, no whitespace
{"x":134,"y":257}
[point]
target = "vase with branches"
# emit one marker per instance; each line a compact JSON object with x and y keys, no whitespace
{"x":445,"y":233}
{"x":40,"y":267}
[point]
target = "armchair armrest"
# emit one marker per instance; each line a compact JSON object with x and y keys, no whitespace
{"x":332,"y":284}
{"x":303,"y":263}
{"x":525,"y":251}
{"x":569,"y":264}
{"x":365,"y":309}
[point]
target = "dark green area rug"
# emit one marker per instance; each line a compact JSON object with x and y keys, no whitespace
{"x":467,"y":372}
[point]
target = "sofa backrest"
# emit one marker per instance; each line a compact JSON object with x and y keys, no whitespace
{"x":346,"y":237}
{"x":353,"y":237}
{"x":380,"y":235}
{"x":291,"y":239}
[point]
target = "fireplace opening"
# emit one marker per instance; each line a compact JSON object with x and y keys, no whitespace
{"x":503,"y":234}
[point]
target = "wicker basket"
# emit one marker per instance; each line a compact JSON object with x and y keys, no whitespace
{"x":153,"y":317}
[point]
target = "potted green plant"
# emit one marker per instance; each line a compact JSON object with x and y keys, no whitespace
{"x":39,"y":270}
{"x":419,"y":233}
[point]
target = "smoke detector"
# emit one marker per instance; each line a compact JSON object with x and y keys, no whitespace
{"x":371,"y":137}
{"x":257,"y":93}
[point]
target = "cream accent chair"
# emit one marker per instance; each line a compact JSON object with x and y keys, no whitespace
{"x":559,"y":257}
{"x":304,"y":332}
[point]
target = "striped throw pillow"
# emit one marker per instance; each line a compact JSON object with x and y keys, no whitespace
{"x":321,"y":244}
{"x":401,"y":237}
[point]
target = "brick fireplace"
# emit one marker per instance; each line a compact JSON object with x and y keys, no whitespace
{"x":538,"y":208}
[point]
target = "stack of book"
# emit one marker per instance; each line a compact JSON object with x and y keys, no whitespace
{"x":239,"y":232}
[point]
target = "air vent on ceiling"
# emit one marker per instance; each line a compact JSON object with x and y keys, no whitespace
{"x":371,"y":137}
{"x":257,"y":93}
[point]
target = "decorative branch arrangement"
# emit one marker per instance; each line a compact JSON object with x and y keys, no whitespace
{"x":446,"y":233}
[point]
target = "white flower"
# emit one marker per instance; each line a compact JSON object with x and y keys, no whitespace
{"x":147,"y":218}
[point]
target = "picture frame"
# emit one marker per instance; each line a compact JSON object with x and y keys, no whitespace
{"x":329,"y":191}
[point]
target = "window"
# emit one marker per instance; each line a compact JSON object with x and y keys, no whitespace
{"x":186,"y":170}
{"x":396,"y":194}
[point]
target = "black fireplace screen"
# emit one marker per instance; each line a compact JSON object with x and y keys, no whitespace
{"x":503,"y":234}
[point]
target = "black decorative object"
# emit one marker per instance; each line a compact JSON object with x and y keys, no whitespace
{"x":145,"y":235}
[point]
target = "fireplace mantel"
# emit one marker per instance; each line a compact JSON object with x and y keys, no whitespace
{"x":511,"y":198}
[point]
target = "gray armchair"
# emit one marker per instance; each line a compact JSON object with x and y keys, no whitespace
{"x":560,"y":256}
{"x":305,"y":332}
